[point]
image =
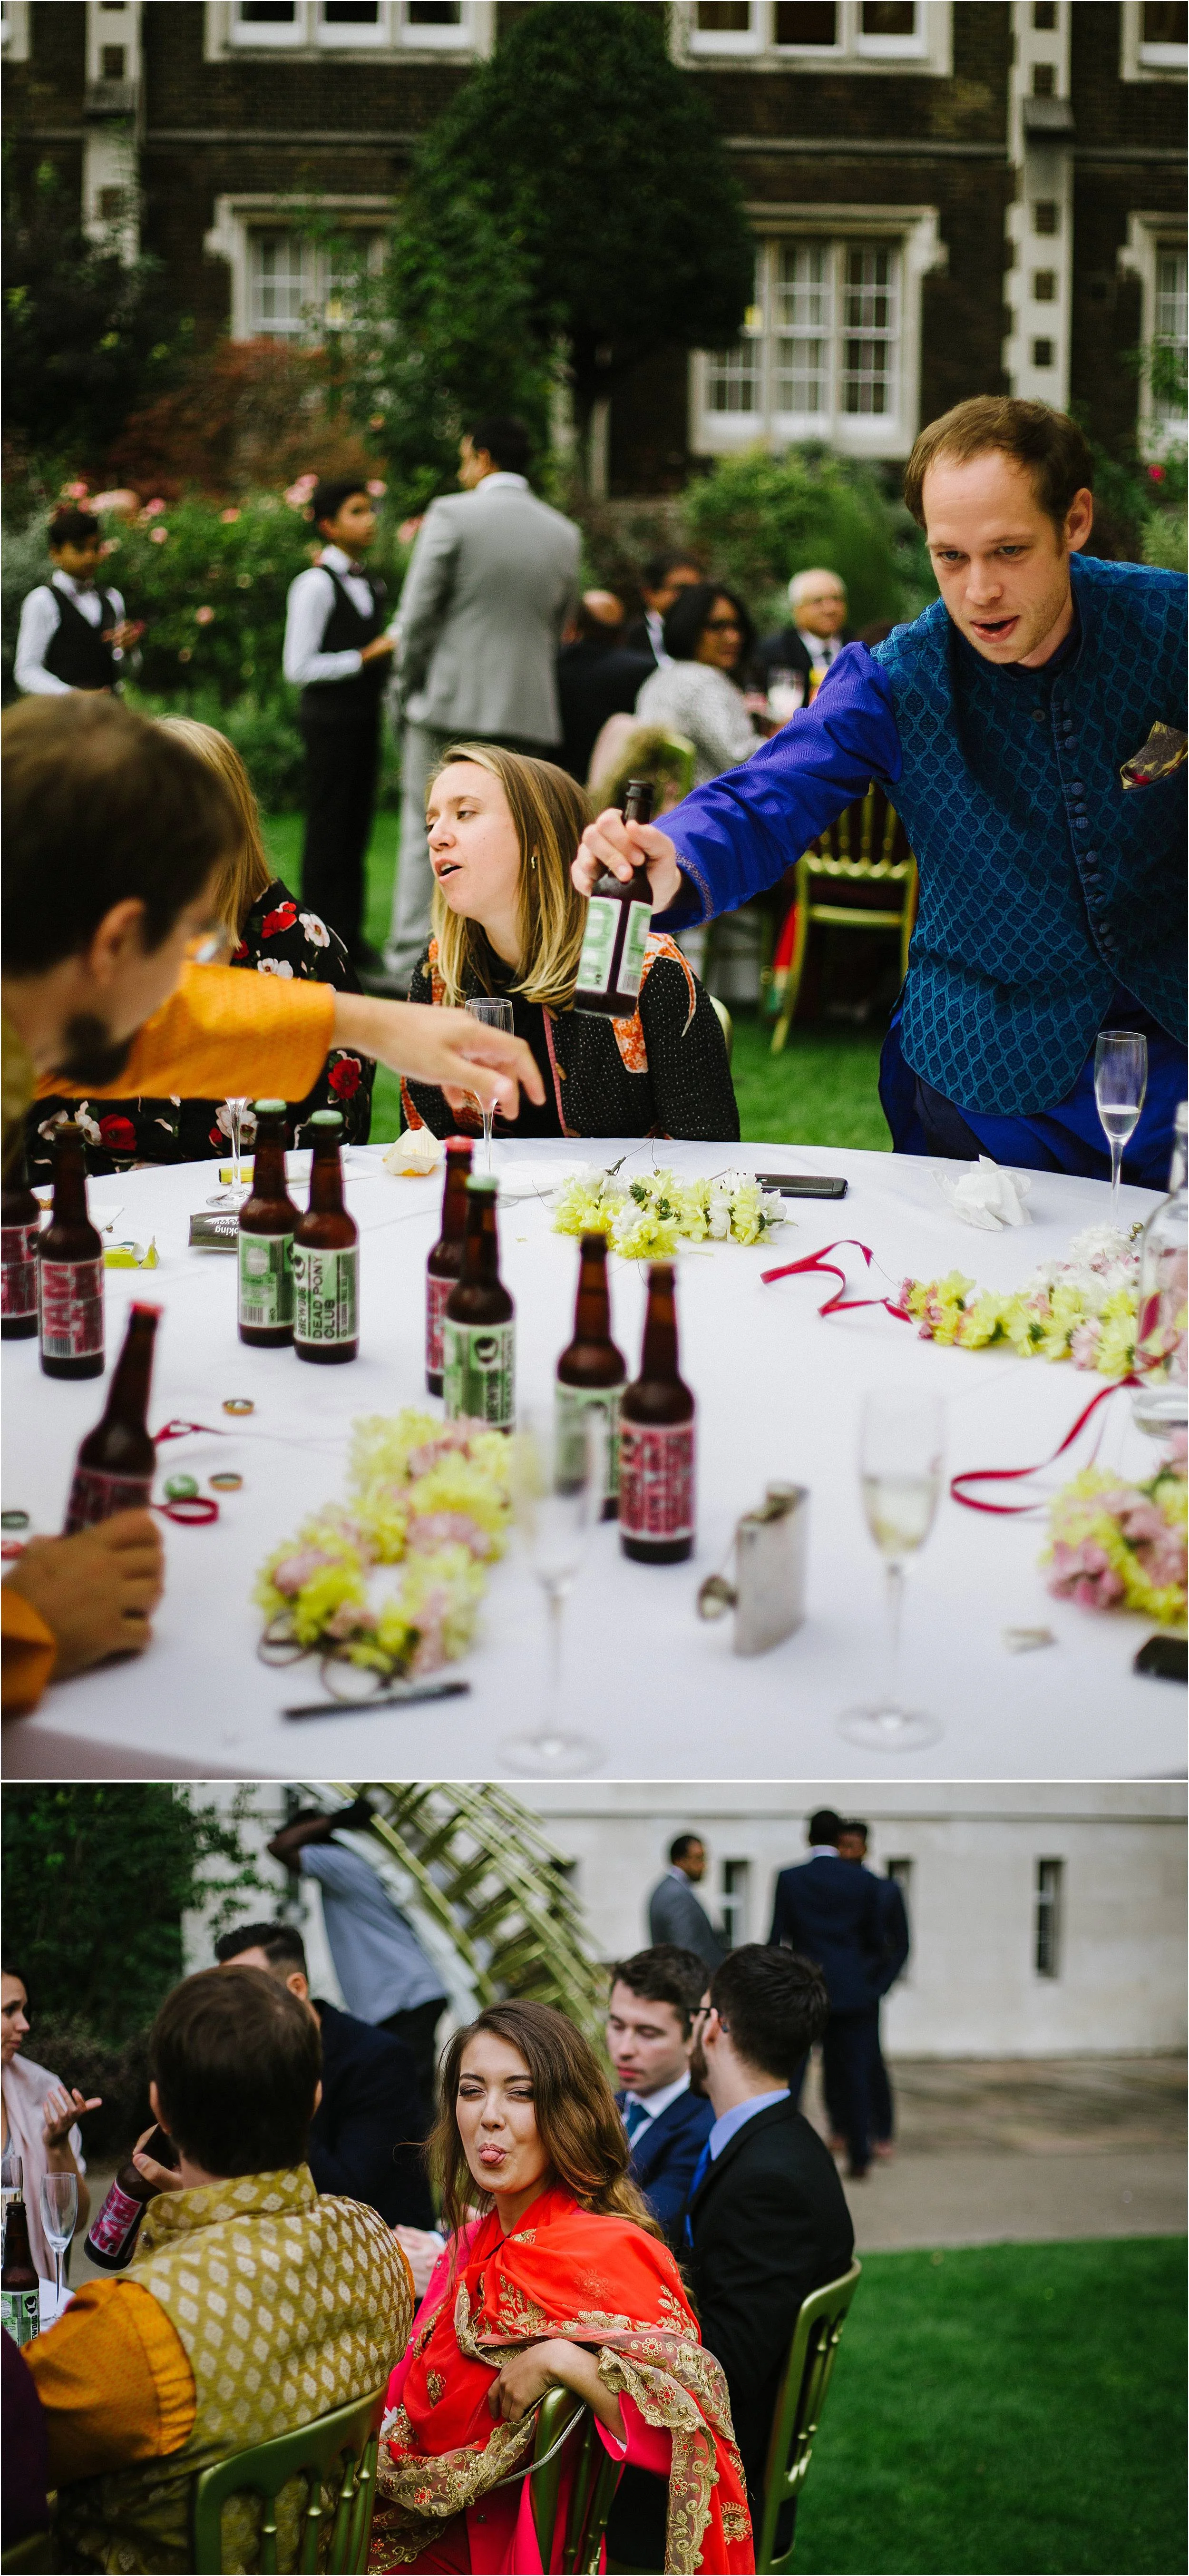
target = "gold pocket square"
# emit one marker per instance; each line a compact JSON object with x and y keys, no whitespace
{"x":1164,"y":751}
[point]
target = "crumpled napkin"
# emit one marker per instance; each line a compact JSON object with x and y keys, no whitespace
{"x":985,"y":1195}
{"x":415,"y":1154}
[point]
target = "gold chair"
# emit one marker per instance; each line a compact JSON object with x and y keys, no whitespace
{"x":844,"y":854}
{"x":725,"y":1022}
{"x":340,"y":2447}
{"x":596,"y":2476}
{"x":816,"y":2335}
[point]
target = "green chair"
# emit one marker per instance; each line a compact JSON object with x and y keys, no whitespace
{"x":32,"y":2554}
{"x":725,"y":1022}
{"x":819,"y":2325}
{"x":596,"y":2476}
{"x":338,"y":2446}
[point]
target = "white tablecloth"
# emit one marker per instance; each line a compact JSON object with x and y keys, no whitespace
{"x":660,"y":1692}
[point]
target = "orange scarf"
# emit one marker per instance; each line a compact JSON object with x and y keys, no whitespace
{"x":598,"y":2281}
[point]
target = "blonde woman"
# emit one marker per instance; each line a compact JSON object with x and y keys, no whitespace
{"x":269,"y":932}
{"x":507,"y":920}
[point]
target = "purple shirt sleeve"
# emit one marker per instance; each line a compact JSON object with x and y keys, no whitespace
{"x":738,"y":834}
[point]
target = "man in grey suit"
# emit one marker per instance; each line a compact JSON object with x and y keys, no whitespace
{"x":492,"y":581}
{"x":674,"y":1913}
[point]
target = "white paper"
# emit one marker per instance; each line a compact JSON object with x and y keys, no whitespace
{"x":986,"y":1195}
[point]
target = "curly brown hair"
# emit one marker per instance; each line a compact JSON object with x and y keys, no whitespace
{"x":577,"y":2121}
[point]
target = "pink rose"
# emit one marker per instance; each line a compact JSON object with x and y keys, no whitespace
{"x":1156,"y":473}
{"x":204,"y":616}
{"x":157,"y":536}
{"x":407,"y":531}
{"x":377,"y":490}
{"x":229,"y":517}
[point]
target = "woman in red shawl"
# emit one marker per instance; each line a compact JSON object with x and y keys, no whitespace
{"x":555,"y":2276}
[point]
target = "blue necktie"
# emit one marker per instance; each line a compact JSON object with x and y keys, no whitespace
{"x":700,"y":2171}
{"x":634,"y":2116}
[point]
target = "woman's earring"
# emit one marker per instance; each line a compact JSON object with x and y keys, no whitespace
{"x":533,"y":858}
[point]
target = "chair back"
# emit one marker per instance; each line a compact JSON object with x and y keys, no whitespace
{"x":725,"y":1022}
{"x":337,"y":2450}
{"x":866,"y":840}
{"x":816,"y":2335}
{"x":566,"y":2429}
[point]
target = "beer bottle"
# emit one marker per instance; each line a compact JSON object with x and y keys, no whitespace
{"x":70,"y":1269}
{"x":591,"y":1371}
{"x":478,"y":1334}
{"x":267,"y":1223}
{"x":20,"y":2295}
{"x":115,"y":1466}
{"x":617,"y":924}
{"x":20,"y":1223}
{"x":111,"y":2238}
{"x":656,"y":1441}
{"x":326,"y":1256}
{"x":445,"y":1261}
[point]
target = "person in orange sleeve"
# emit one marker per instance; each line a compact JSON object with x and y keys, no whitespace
{"x":115,"y":830}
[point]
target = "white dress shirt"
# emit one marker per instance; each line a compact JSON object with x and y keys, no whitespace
{"x":656,"y":636}
{"x":652,"y":2104}
{"x":40,"y":619}
{"x":307,"y":615}
{"x":820,"y":648}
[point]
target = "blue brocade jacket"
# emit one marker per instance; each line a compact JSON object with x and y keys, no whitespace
{"x":1044,"y":885}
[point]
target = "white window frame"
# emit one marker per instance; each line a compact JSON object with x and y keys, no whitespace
{"x":930,"y":50}
{"x":14,"y":31}
{"x":1141,"y":62}
{"x":1147,"y":236}
{"x":914,"y":231}
{"x":354,"y":40}
{"x":112,"y":27}
{"x":239,"y":218}
{"x":308,"y":34}
{"x":256,"y":39}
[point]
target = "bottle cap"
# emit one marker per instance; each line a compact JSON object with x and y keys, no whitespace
{"x":270,"y":1108}
{"x":460,"y":1145}
{"x":327,"y":1118}
{"x":141,"y":1307}
{"x":484,"y":1181}
{"x":178,"y":1489}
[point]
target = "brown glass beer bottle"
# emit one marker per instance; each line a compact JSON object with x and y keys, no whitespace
{"x":70,"y":1269}
{"x":444,"y":1265}
{"x":478,"y":1332}
{"x":111,"y":2239}
{"x":591,"y":1371}
{"x":617,"y":924}
{"x":326,"y":1256}
{"x":20,"y":1224}
{"x":115,"y":1466}
{"x":656,"y":1441}
{"x":20,"y":2294}
{"x":267,"y":1224}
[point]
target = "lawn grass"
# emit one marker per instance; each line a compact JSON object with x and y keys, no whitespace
{"x":1003,"y":2409}
{"x":821,"y":1091}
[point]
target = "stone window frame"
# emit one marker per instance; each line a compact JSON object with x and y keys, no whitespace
{"x":916,"y":232}
{"x":309,"y":40}
{"x":238,"y":217}
{"x":14,"y":30}
{"x":1147,"y":235}
{"x":1140,"y":62}
{"x":930,"y":53}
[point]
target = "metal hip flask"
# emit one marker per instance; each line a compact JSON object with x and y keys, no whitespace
{"x":768,"y":1594}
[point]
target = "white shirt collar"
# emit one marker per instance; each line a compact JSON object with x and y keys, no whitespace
{"x":725,"y":2127}
{"x":74,"y":589}
{"x":514,"y":482}
{"x":333,"y":559}
{"x":823,"y":1851}
{"x":652,"y":2104}
{"x":820,"y":648}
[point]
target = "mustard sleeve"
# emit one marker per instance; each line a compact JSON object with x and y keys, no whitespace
{"x":114,"y":2382}
{"x":29,"y":1652}
{"x":223,"y":1032}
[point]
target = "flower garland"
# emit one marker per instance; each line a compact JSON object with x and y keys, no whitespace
{"x":1081,"y":1309}
{"x":646,"y":1219}
{"x":432,"y":1496}
{"x":1119,"y":1546}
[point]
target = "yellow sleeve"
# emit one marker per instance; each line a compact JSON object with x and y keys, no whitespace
{"x":223,"y":1032}
{"x":29,"y":1652}
{"x":114,"y":2382}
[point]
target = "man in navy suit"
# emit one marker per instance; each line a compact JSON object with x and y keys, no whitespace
{"x":650,"y":2023}
{"x":852,"y":1846}
{"x":836,"y":1915}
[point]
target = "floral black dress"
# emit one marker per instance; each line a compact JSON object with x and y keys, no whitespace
{"x":278,"y":939}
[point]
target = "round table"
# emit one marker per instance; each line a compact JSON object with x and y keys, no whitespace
{"x":660,"y":1692}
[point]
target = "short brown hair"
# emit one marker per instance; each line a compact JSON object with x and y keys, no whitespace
{"x":577,"y":2121}
{"x":101,"y":807}
{"x":664,"y":1974}
{"x":773,"y":2004}
{"x":1047,"y":443}
{"x":236,"y":2062}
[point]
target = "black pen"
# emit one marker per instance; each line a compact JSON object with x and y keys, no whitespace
{"x":383,"y":1699}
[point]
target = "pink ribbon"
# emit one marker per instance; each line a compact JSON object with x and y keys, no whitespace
{"x":1009,"y":1475}
{"x":837,"y":1304}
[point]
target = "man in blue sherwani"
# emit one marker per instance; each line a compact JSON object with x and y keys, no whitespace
{"x":1029,"y":729}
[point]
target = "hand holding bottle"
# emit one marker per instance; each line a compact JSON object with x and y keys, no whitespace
{"x":621,"y":847}
{"x":159,"y":2177}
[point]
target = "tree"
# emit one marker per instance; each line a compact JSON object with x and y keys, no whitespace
{"x":597,"y":205}
{"x":86,"y":335}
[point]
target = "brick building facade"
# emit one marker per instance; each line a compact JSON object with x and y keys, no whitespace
{"x":950,"y":197}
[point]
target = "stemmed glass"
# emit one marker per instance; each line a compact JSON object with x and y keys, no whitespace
{"x":238,"y":1191}
{"x":901,"y":1444}
{"x":1120,"y":1081}
{"x":557,"y":1499}
{"x":10,"y":2184}
{"x":495,"y":1014}
{"x":59,"y":2213}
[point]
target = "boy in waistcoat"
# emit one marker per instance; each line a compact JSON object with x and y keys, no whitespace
{"x":73,"y":635}
{"x":338,"y":652}
{"x":1030,"y":730}
{"x":252,"y":2306}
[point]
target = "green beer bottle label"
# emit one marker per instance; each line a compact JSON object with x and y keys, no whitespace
{"x":598,"y":945}
{"x":574,"y":1403}
{"x":479,"y":1373}
{"x":20,"y":2314}
{"x":265,"y":1278}
{"x":631,"y":964}
{"x":325,"y":1294}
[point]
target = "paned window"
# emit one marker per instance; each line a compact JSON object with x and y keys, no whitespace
{"x":1047,"y":1926}
{"x":736,"y":1875}
{"x":805,"y":22}
{"x":822,"y":341}
{"x":299,"y":288}
{"x":1170,"y":332}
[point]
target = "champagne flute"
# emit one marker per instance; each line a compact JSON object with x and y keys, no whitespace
{"x":1120,"y":1081}
{"x":900,"y":1461}
{"x":556,"y":1490}
{"x":494,"y":1014}
{"x":59,"y":2215}
{"x":238,"y":1190}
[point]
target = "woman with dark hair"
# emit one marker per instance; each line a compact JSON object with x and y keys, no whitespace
{"x":554,"y":2276}
{"x":709,"y":639}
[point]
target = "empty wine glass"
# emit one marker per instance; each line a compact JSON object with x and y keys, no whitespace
{"x":901,"y":1444}
{"x":557,"y":1500}
{"x":495,"y":1014}
{"x":1120,"y":1081}
{"x":59,"y":2214}
{"x":238,"y":1191}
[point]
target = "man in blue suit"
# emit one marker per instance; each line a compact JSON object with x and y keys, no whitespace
{"x":852,"y":1846}
{"x":835,"y":1914}
{"x":650,"y":2024}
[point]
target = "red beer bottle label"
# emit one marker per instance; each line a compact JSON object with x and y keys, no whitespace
{"x":656,"y":1480}
{"x":18,"y":1260}
{"x":436,"y":1293}
{"x":94,"y":1496}
{"x":71,"y":1308}
{"x":118,"y":2219}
